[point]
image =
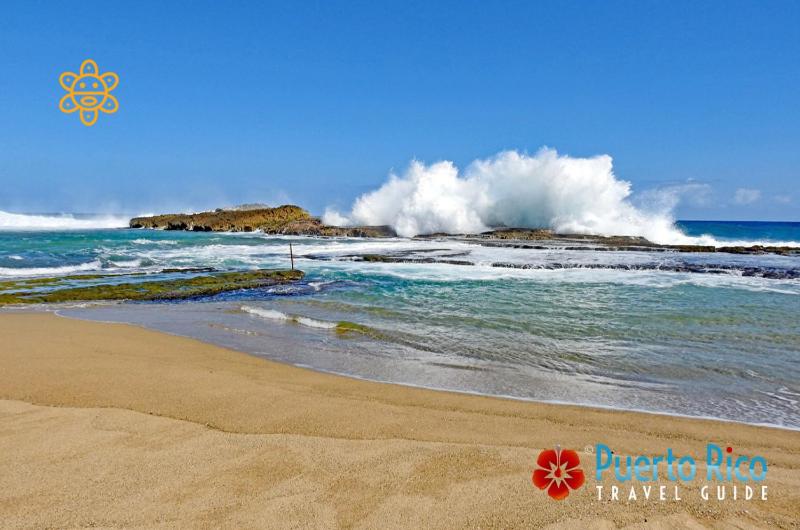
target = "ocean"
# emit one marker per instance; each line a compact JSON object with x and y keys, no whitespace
{"x":699,"y":334}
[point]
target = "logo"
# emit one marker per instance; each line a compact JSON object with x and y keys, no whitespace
{"x":558,"y":472}
{"x":89,"y":92}
{"x":727,"y":476}
{"x":723,"y":475}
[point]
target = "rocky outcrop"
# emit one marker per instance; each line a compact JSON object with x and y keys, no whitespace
{"x":314,"y":227}
{"x":267,"y":219}
{"x":287,"y":220}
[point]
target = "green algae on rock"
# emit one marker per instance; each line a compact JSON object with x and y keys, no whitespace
{"x":345,"y":327}
{"x":173,"y":289}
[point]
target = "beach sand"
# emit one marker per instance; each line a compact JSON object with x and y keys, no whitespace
{"x":112,"y":425}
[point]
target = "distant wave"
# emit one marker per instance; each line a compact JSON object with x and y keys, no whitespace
{"x":566,"y":194}
{"x":17,"y":221}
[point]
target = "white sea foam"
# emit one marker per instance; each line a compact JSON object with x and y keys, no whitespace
{"x":16,"y":221}
{"x":317,"y":286}
{"x":567,"y":194}
{"x":126,"y":264}
{"x":272,"y":314}
{"x":143,"y":241}
{"x":266,"y":313}
{"x":51,"y":271}
{"x":314,"y":323}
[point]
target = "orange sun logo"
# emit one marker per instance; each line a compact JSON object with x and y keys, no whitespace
{"x":89,"y":92}
{"x":558,"y":472}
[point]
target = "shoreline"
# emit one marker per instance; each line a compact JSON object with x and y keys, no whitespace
{"x":44,"y":309}
{"x":118,"y":425}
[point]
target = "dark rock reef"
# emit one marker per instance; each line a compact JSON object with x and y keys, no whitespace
{"x":435,"y":256}
{"x":519,"y":238}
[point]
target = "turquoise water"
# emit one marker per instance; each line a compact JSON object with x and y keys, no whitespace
{"x":713,"y":335}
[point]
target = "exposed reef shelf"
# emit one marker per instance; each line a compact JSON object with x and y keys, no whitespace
{"x":619,"y":243}
{"x":761,"y":272}
{"x":410,"y":256}
{"x":28,"y":292}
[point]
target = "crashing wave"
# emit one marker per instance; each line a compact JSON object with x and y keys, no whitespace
{"x":513,"y":189}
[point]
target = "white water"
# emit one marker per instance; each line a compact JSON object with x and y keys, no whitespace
{"x":272,"y":314}
{"x":17,"y":221}
{"x":567,"y":194}
{"x":51,"y":271}
{"x":336,"y":254}
{"x":144,"y":241}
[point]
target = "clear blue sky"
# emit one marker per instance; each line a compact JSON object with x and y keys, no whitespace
{"x":314,"y":103}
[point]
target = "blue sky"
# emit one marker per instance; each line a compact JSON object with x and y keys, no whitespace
{"x":314,"y":103}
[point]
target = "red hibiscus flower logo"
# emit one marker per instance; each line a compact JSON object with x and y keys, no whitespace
{"x":558,"y":472}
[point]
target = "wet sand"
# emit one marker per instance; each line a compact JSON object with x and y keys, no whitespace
{"x":112,"y":425}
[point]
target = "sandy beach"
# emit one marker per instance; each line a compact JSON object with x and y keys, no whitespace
{"x":111,"y":425}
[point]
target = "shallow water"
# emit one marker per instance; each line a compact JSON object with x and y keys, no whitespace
{"x":718,"y":342}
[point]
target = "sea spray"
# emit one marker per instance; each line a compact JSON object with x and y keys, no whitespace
{"x":567,"y":194}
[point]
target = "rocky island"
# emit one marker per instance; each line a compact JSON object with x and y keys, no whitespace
{"x":286,"y":220}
